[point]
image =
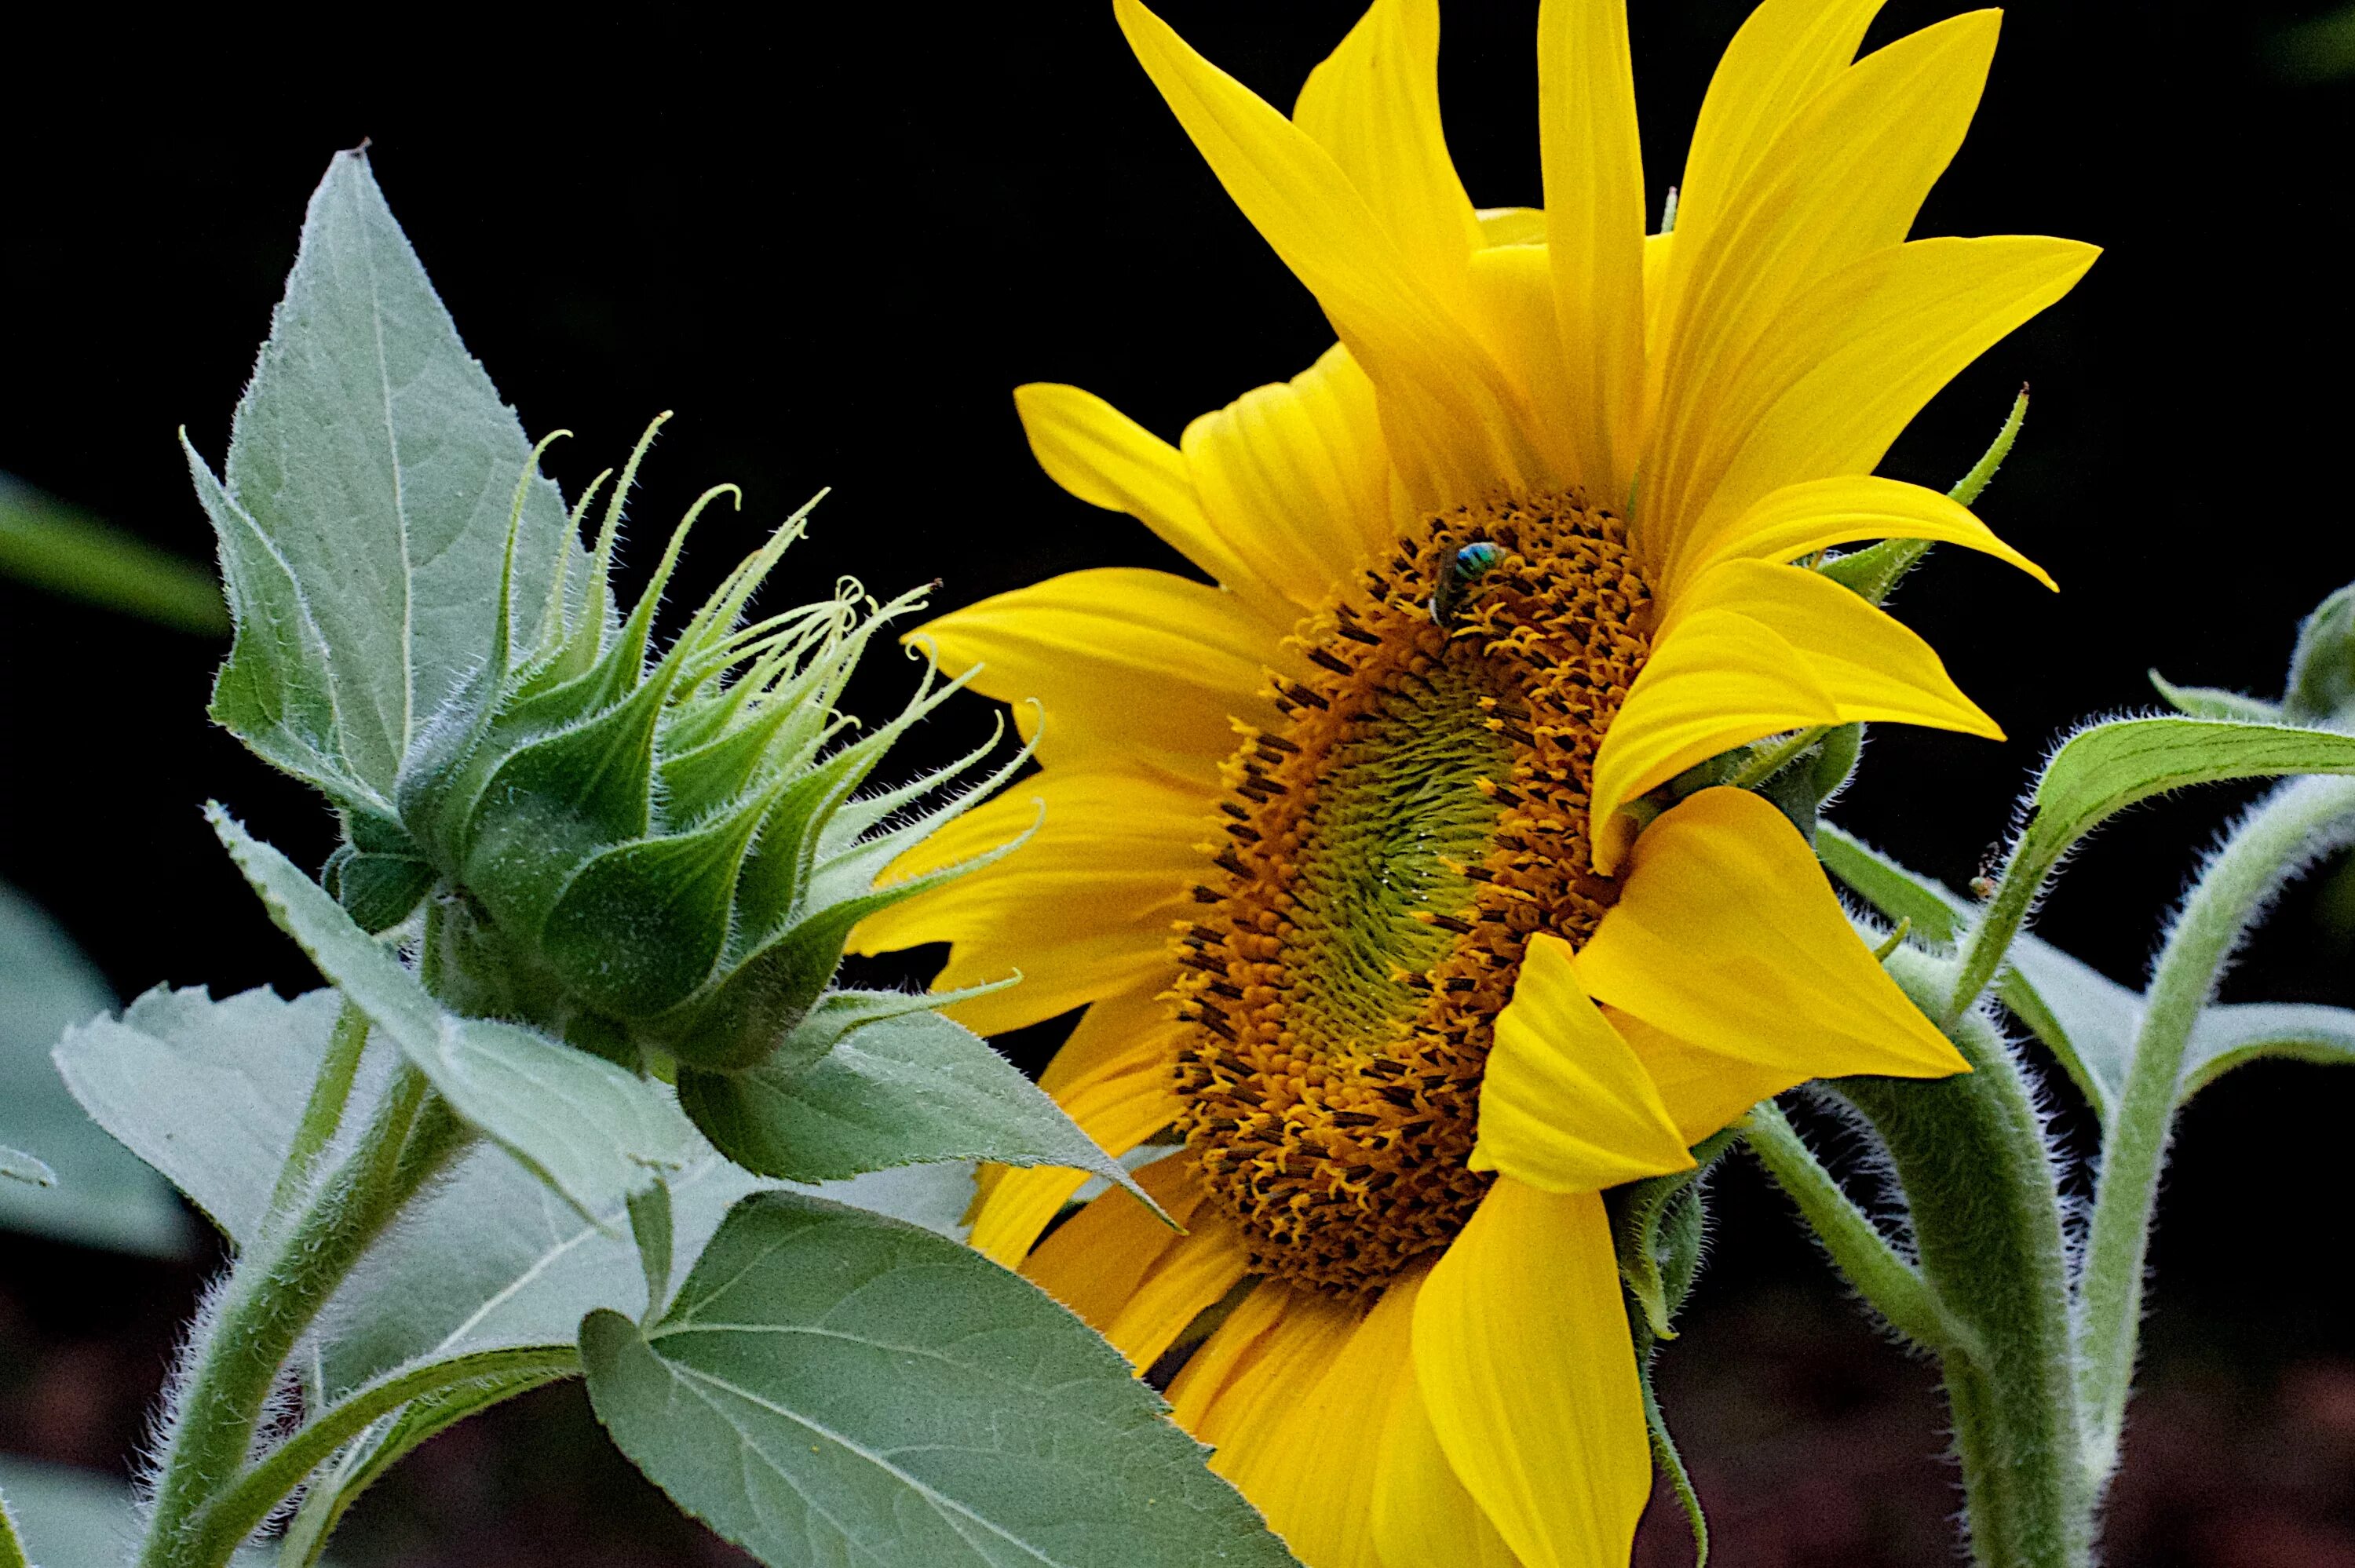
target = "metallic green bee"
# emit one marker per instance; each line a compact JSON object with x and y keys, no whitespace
{"x":1472,"y":563}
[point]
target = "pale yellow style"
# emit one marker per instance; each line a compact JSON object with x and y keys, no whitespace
{"x":1726,"y":390}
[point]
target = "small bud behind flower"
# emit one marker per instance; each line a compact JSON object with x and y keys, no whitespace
{"x":650,"y":853}
{"x":2322,"y":670}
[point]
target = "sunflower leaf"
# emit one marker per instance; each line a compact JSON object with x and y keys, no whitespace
{"x":102,"y":1195}
{"x":365,"y":504}
{"x":593,"y":1131}
{"x":901,"y":1089}
{"x":2234,"y":1034}
{"x":2214,"y":701}
{"x":832,"y":1386}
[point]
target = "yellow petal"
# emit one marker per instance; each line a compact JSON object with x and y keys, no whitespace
{"x":1108,"y":459}
{"x":1843,"y":180}
{"x":1422,"y":1513}
{"x":1085,"y":644}
{"x":1728,"y":937}
{"x":1119,"y":1105}
{"x":1753,"y":649}
{"x":1512,"y":226}
{"x":1722,"y":681}
{"x":1801,"y":518}
{"x":1826,"y":391}
{"x":1705,"y":1091}
{"x":1190,"y":1280}
{"x":1564,"y":1105}
{"x":1125,"y":1022}
{"x":1594,"y":171}
{"x":1522,"y":1352}
{"x":1446,"y":413}
{"x":1873,"y":666}
{"x":1296,"y":473}
{"x":1082,"y":910}
{"x":1270,"y":1353}
{"x":1303,"y":1457}
{"x":1373,"y":104}
{"x":1785,"y":54}
{"x":1131,"y":1278}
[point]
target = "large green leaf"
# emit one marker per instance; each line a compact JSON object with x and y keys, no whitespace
{"x":493,"y":1260}
{"x":832,"y":1388}
{"x":2103,"y":771}
{"x":102,"y":1196}
{"x":51,"y":545}
{"x":894,"y":1091}
{"x":2228,"y":1036}
{"x":594,"y":1131}
{"x":378,"y":467}
{"x":209,"y":1092}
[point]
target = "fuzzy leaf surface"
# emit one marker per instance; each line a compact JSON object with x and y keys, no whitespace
{"x":833,"y":1388}
{"x":377,"y":461}
{"x":209,"y":1093}
{"x":895,"y":1091}
{"x":593,"y":1131}
{"x":103,"y":1196}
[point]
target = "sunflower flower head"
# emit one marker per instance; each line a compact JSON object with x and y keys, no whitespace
{"x":1405,"y":914}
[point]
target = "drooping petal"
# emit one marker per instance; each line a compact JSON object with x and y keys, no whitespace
{"x":1297,"y":473}
{"x":1082,"y":910}
{"x":1594,"y":170}
{"x":1564,"y":1105}
{"x":1875,"y":668}
{"x":1422,"y":1513}
{"x":1801,"y":518}
{"x":1119,"y":1104}
{"x":1753,"y":649}
{"x":1722,"y":681}
{"x":1084,"y":644}
{"x":1373,"y":104}
{"x":1108,"y":459}
{"x":1523,"y":1356}
{"x":1844,"y":179}
{"x":1705,"y":1091}
{"x":1446,"y":413}
{"x":1303,"y":1458}
{"x":1827,"y":391}
{"x":1130,"y":1277}
{"x":1728,"y":937}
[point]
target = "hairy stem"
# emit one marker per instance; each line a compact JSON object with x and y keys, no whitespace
{"x":2300,"y":821}
{"x":323,"y":1113}
{"x":242,"y":1507}
{"x":1980,"y":1184}
{"x":274,"y":1293}
{"x":1858,"y":1248}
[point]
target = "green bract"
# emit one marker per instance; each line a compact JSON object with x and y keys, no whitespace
{"x":652,"y":853}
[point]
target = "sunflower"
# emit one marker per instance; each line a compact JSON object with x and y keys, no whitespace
{"x":1508,"y":559}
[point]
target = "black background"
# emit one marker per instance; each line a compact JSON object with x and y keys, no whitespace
{"x":835,"y":238}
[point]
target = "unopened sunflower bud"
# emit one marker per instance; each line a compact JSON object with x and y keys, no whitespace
{"x":2322,"y":669}
{"x":647,"y":850}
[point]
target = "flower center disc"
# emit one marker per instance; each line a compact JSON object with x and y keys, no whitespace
{"x":1390,"y":854}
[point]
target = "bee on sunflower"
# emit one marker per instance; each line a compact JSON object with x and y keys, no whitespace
{"x":1514,"y":554}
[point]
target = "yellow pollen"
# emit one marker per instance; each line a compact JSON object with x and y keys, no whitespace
{"x":1385,"y":859}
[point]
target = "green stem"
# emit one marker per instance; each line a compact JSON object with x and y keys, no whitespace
{"x":2298,"y":821}
{"x":323,"y":1113}
{"x":1979,"y":1179}
{"x":272,"y":1295}
{"x":240,"y":1509}
{"x":1859,"y":1249}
